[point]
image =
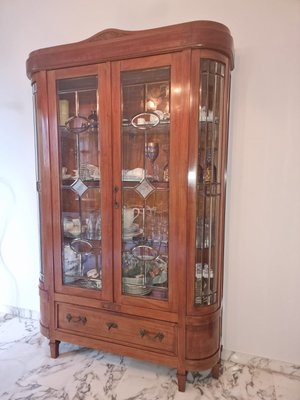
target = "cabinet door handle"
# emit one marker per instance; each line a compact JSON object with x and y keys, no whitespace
{"x":159,"y":335}
{"x":111,"y":325}
{"x":116,"y":204}
{"x":80,"y":318}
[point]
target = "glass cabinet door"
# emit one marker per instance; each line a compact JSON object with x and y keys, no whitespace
{"x":145,"y":134}
{"x":208,"y":181}
{"x":80,"y":181}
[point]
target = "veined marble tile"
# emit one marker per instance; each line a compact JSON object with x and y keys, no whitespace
{"x":286,"y":388}
{"x":262,"y":363}
{"x":28,"y":372}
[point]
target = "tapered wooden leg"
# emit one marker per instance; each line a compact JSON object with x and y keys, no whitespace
{"x":216,"y":370}
{"x":54,"y":348}
{"x":181,"y":376}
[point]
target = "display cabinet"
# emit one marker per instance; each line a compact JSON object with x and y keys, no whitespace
{"x":131,"y":134}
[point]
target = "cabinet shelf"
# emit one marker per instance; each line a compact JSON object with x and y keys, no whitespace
{"x":157,"y":185}
{"x":67,"y":183}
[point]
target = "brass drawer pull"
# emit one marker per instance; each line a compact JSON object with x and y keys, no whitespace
{"x":80,"y":318}
{"x":142,"y":332}
{"x":159,"y":335}
{"x":111,"y":325}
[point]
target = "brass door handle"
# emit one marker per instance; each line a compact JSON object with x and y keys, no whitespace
{"x":80,"y":318}
{"x":116,"y":204}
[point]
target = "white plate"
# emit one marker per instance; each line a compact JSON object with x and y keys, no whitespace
{"x":132,"y":178}
{"x":136,"y":290}
{"x":159,"y":113}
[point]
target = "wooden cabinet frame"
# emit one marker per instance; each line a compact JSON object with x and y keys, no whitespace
{"x":107,"y":318}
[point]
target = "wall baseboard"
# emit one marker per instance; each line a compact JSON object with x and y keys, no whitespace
{"x":20,"y":312}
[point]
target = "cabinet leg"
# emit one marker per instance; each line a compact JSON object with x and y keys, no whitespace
{"x":54,"y":348}
{"x":216,"y":370}
{"x":181,"y":380}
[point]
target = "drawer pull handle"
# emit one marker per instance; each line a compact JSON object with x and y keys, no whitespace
{"x":80,"y":318}
{"x":159,"y":335}
{"x":143,"y":332}
{"x":111,"y":325}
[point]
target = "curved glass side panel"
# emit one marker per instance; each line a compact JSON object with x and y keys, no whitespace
{"x":145,"y":182}
{"x":208,"y":181}
{"x":80,"y":181}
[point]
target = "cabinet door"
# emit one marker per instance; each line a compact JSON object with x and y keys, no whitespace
{"x":208,"y":149}
{"x":146,"y":194}
{"x":80,"y":144}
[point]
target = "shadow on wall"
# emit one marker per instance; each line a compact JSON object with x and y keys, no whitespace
{"x":8,"y":284}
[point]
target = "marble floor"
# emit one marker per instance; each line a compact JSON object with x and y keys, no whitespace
{"x":27,"y":372}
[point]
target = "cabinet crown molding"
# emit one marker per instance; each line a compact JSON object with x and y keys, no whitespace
{"x":115,"y":44}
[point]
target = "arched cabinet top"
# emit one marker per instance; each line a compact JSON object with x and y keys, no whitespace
{"x":115,"y":44}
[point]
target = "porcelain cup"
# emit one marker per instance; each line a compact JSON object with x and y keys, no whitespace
{"x":129,"y":216}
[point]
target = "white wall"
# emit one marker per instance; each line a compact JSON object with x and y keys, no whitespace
{"x":262,"y":258}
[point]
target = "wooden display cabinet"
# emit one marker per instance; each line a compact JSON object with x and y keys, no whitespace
{"x":131,"y":134}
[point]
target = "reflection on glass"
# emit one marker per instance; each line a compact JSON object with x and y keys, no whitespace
{"x":145,"y":188}
{"x":208,"y":181}
{"x":80,"y":181}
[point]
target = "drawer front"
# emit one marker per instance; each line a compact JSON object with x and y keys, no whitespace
{"x":155,"y":335}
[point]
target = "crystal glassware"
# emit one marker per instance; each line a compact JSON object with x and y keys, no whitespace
{"x":151,"y":152}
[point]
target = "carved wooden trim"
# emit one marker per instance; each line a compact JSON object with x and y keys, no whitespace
{"x":108,"y":34}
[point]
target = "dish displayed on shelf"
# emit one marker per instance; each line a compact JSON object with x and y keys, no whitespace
{"x":67,"y":176}
{"x":145,"y":120}
{"x":159,"y":113}
{"x":88,"y":283}
{"x":132,"y":234}
{"x":136,"y":174}
{"x":161,"y":278}
{"x":133,"y":228}
{"x":137,"y":290}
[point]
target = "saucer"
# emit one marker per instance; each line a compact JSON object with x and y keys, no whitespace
{"x":132,"y":228}
{"x":131,"y":235}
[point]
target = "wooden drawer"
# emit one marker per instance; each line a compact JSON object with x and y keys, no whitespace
{"x":137,"y":332}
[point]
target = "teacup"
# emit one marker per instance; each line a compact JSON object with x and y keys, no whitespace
{"x":129,"y":216}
